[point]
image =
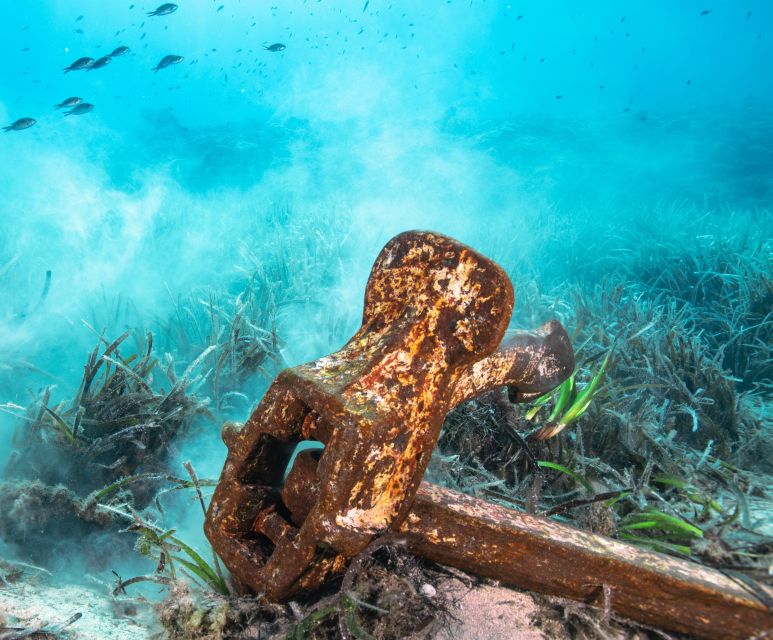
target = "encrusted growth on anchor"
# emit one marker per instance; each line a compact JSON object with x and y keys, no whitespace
{"x":434,"y":317}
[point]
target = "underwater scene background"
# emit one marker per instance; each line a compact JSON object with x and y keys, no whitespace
{"x":213,"y":219}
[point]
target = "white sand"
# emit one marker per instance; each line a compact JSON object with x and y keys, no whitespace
{"x":32,"y":606}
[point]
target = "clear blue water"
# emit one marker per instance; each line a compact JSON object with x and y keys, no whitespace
{"x":552,"y":136}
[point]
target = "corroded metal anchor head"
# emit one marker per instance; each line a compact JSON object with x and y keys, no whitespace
{"x":435,"y":314}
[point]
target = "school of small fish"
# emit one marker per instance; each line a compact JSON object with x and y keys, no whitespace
{"x":76,"y":105}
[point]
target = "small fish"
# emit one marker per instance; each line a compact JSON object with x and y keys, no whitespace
{"x":20,"y":124}
{"x":277,"y":46}
{"x":168,"y":61}
{"x":80,"y":64}
{"x":367,"y":2}
{"x":220,"y":8}
{"x":120,"y":51}
{"x":79,"y":18}
{"x":70,"y":102}
{"x":164,"y":10}
{"x":79,"y":110}
{"x":705,"y":12}
{"x":101,"y":62}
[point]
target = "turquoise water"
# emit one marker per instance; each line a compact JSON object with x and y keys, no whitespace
{"x":580,"y":145}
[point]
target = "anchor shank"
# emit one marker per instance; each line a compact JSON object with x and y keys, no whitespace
{"x":546,"y":556}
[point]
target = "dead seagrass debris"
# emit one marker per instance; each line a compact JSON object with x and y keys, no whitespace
{"x":40,"y":631}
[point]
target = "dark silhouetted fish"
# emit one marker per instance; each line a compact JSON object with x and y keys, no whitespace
{"x":80,"y":64}
{"x":220,"y":8}
{"x":277,"y":46}
{"x":705,"y":12}
{"x":20,"y":124}
{"x":101,"y":62}
{"x":167,"y":61}
{"x":164,"y":10}
{"x":70,"y":102}
{"x":120,"y":51}
{"x":82,"y":108}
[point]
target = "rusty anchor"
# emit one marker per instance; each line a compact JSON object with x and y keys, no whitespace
{"x":434,"y":316}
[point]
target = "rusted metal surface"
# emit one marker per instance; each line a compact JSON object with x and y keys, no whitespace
{"x":549,"y":557}
{"x":435,"y":314}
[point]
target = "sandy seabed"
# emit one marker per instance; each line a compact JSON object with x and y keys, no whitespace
{"x":485,"y":612}
{"x":39,"y":606}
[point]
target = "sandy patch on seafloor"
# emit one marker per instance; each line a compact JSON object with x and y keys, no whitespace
{"x":490,"y":612}
{"x":32,"y":606}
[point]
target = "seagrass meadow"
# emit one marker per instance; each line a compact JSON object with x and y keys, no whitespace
{"x":174,"y":233}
